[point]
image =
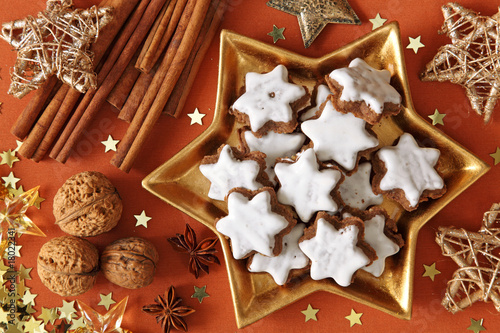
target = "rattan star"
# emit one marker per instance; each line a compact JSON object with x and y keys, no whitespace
{"x":476,"y":254}
{"x":56,"y":42}
{"x":314,"y":15}
{"x":472,"y":58}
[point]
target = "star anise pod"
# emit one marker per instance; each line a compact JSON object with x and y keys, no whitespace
{"x":169,"y":311}
{"x":200,"y":254}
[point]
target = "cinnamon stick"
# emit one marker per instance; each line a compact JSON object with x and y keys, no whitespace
{"x":153,"y":88}
{"x":161,"y":36}
{"x":154,"y":29}
{"x":31,"y":143}
{"x":178,"y":62}
{"x":117,"y":49}
{"x":136,"y":95}
{"x":121,"y":90}
{"x":27,"y":118}
{"x":179,"y":95}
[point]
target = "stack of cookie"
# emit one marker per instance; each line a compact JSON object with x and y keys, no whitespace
{"x":303,"y":189}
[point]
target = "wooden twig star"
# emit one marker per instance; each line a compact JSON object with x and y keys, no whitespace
{"x":56,"y":42}
{"x":472,"y":58}
{"x":477,"y":255}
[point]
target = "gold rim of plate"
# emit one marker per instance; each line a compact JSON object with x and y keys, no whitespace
{"x":180,"y":183}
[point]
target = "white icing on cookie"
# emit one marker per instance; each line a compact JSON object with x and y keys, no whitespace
{"x":305,"y":187}
{"x":251,"y":224}
{"x":383,"y":245}
{"x":410,"y":168}
{"x":334,"y":253}
{"x":291,"y":257}
{"x":321,"y":96}
{"x":356,"y":190}
{"x":229,"y":173}
{"x":274,"y":145}
{"x":361,"y":82}
{"x":338,"y":136}
{"x":268,"y":97}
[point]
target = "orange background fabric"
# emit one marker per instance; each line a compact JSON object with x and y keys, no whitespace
{"x":254,"y":19}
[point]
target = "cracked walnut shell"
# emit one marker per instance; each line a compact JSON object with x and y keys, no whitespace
{"x":68,"y":265}
{"x":130,"y":262}
{"x":87,"y":204}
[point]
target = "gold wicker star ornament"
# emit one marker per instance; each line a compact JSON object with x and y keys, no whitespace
{"x":56,"y":42}
{"x":314,"y":15}
{"x":472,"y":60}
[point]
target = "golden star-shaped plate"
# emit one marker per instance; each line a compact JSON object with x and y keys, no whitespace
{"x":180,"y":183}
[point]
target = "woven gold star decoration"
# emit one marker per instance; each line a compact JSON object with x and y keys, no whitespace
{"x":56,"y":42}
{"x":476,"y":254}
{"x":471,"y":60}
{"x":314,"y":15}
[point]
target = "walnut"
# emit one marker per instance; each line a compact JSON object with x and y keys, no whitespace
{"x":130,"y":262}
{"x":87,"y":205}
{"x":68,"y":265}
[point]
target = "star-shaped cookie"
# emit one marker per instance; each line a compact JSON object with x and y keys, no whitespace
{"x":338,"y":136}
{"x":274,"y":145}
{"x":383,"y":245}
{"x":305,"y":187}
{"x":356,"y":190}
{"x":253,"y":224}
{"x":229,"y":172}
{"x":410,"y":170}
{"x":334,"y":253}
{"x":291,"y":257}
{"x":322,"y":94}
{"x":267,"y":99}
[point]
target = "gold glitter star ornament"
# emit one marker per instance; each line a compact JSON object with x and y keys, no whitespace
{"x":314,"y":15}
{"x":471,"y":60}
{"x":56,"y":42}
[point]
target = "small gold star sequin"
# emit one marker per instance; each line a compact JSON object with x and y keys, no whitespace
{"x":496,"y":156}
{"x":437,"y":118}
{"x":415,"y":44}
{"x":110,"y":144}
{"x":314,"y":15}
{"x":277,"y":33}
{"x":200,"y":293}
{"x":196,"y":117}
{"x":11,"y":179}
{"x":377,"y":21}
{"x":431,"y":271}
{"x":354,"y":318}
{"x":142,"y":219}
{"x":8,"y":157}
{"x":476,"y":325}
{"x":67,"y":311}
{"x":106,"y":300}
{"x":310,"y":313}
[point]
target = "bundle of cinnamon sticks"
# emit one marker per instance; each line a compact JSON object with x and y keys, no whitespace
{"x":142,"y":55}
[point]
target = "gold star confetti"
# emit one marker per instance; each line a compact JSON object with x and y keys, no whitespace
{"x":48,"y":315}
{"x":470,"y":59}
{"x":109,"y":322}
{"x":314,"y":15}
{"x":200,"y":293}
{"x":437,"y":118}
{"x":377,"y":21}
{"x":4,"y":316}
{"x":142,"y":219}
{"x":11,"y":179}
{"x":21,"y":288}
{"x":310,"y":313}
{"x":78,"y":323}
{"x":33,"y":325}
{"x":9,"y":157}
{"x":431,"y":271}
{"x":415,"y":44}
{"x":476,"y":325}
{"x":56,"y":42}
{"x":24,"y":273}
{"x":38,"y":201}
{"x":106,"y":300}
{"x":277,"y":33}
{"x":354,"y":318}
{"x":19,"y":144}
{"x":67,"y":311}
{"x":29,"y":298}
{"x":16,"y":192}
{"x":110,"y":144}
{"x":496,"y":156}
{"x":196,"y":117}
{"x":17,"y":252}
{"x":13,"y":211}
